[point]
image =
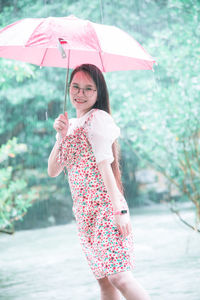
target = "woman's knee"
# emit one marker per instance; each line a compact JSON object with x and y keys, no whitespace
{"x":104,"y":283}
{"x":119,"y":280}
{"x":108,"y":290}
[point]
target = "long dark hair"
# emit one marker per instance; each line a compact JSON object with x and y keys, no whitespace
{"x":103,"y":104}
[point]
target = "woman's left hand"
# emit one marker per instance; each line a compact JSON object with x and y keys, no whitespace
{"x":123,"y":223}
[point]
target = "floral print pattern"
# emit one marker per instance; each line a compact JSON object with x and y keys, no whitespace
{"x":107,"y":252}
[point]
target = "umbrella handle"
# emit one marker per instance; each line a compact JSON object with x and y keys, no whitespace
{"x":66,"y":84}
{"x":61,"y":42}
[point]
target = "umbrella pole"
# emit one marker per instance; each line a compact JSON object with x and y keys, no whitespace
{"x":66,"y":84}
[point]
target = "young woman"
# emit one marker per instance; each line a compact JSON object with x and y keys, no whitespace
{"x":87,"y":147}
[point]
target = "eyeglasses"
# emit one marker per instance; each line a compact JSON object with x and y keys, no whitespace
{"x":87,"y":92}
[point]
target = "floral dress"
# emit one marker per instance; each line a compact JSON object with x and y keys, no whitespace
{"x":107,"y":252}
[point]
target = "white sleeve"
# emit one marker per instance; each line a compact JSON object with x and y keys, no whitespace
{"x":102,"y":132}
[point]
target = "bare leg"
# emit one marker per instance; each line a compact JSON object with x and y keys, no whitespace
{"x":128,"y":286}
{"x":108,"y":291}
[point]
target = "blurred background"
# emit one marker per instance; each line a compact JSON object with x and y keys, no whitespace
{"x":158,"y":113}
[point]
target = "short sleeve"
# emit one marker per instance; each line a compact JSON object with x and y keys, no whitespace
{"x":102,"y":132}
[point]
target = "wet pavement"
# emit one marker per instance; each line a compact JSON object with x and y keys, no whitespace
{"x":47,"y":264}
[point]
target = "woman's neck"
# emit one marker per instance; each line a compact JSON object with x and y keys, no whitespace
{"x":81,"y":113}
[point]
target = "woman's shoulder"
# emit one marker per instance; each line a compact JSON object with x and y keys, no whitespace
{"x":103,"y":123}
{"x":102,"y":114}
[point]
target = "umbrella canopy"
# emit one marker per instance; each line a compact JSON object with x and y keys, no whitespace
{"x":69,"y":41}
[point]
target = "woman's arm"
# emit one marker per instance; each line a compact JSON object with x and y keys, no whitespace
{"x":110,"y":184}
{"x":123,"y":221}
{"x":61,"y":125}
{"x":54,"y":168}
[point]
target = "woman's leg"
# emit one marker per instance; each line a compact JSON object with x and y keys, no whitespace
{"x":108,"y":291}
{"x":128,"y":286}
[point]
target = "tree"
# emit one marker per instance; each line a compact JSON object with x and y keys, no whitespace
{"x":157,"y":112}
{"x":161,"y":124}
{"x":15,"y":195}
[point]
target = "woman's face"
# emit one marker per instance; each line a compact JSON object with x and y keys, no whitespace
{"x":83,"y":92}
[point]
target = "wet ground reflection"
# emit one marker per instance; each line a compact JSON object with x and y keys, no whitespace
{"x":47,"y":264}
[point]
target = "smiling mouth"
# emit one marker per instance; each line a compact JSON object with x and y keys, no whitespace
{"x":79,"y":101}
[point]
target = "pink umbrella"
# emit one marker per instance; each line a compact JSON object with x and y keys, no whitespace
{"x":80,"y":41}
{"x":69,"y":41}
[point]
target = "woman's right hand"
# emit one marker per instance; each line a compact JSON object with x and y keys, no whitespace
{"x":61,"y":124}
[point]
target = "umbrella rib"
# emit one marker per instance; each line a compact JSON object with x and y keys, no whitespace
{"x":43,"y":57}
{"x":101,"y":61}
{"x":100,"y":52}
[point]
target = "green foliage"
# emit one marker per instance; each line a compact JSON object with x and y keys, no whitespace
{"x":15,"y":196}
{"x":14,"y":72}
{"x":157,"y":112}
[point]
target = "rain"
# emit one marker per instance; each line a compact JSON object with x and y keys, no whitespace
{"x":157,"y":110}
